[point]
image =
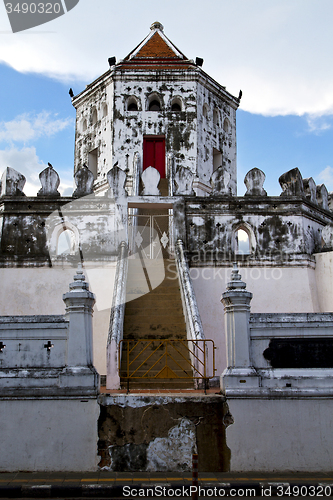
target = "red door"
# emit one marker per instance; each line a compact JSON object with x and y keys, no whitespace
{"x":154,"y":153}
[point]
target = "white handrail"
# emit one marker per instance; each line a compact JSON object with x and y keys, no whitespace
{"x":117,"y":319}
{"x":192,"y":315}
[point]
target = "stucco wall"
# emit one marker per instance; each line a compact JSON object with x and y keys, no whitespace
{"x":324,"y":278}
{"x":30,"y":291}
{"x":49,"y":435}
{"x":275,"y":290}
{"x":295,"y":435}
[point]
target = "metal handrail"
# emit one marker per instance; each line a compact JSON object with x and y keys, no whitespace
{"x":119,"y":296}
{"x":199,"y":369}
{"x":192,"y":315}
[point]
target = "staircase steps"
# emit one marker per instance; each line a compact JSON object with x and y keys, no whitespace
{"x":155,"y":315}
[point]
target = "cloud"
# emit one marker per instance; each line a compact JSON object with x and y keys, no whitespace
{"x":27,"y":163}
{"x":27,"y":127}
{"x":326,"y":177}
{"x":317,"y":124}
{"x":277,"y":52}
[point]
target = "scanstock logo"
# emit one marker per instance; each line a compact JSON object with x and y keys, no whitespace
{"x":30,"y":13}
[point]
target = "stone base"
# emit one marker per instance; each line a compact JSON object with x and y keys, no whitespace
{"x":280,"y":435}
{"x":48,"y":435}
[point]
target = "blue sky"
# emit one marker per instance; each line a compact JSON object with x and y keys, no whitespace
{"x":277,"y":52}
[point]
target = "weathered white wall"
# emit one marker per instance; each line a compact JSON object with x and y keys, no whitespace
{"x":99,"y":134}
{"x":324,"y":278}
{"x":63,"y":436}
{"x":211,"y":134}
{"x":29,"y":291}
{"x":281,"y":435}
{"x":178,"y":128}
{"x":275,"y":290}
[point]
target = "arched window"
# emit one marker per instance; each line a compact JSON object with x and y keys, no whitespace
{"x":66,"y":243}
{"x":205,"y":111}
{"x":226,"y":126}
{"x":176,"y":105}
{"x":242,"y":242}
{"x":132,"y":104}
{"x":105,"y":110}
{"x":154,"y":102}
{"x":154,"y":105}
{"x":216,"y":120}
{"x":84,"y":125}
{"x":94,"y":116}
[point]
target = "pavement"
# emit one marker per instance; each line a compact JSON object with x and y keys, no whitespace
{"x":116,"y":485}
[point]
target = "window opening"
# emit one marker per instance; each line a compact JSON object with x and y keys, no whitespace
{"x":66,"y":242}
{"x":92,"y":161}
{"x":242,"y":242}
{"x":132,"y":106}
{"x":216,"y":117}
{"x":94,"y":116}
{"x":176,"y":107}
{"x":217,"y":159}
{"x":205,"y":111}
{"x":154,"y":105}
{"x":226,"y":125}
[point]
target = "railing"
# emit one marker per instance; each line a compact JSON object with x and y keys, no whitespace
{"x":192,"y":315}
{"x":190,"y":307}
{"x":117,"y":318}
{"x":157,"y":359}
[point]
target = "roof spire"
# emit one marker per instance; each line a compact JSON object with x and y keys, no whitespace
{"x":157,"y":26}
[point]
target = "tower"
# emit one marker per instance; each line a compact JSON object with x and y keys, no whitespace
{"x":156,"y":108}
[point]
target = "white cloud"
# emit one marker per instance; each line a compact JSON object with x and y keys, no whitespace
{"x":26,"y":127}
{"x":317,"y":124}
{"x":277,"y":52}
{"x":326,"y":177}
{"x":27,"y":162}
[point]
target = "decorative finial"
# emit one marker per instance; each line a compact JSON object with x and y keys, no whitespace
{"x":236,"y":282}
{"x":79,"y":280}
{"x":157,"y":26}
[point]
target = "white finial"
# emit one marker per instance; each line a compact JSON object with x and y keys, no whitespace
{"x":236,"y":282}
{"x":157,"y":26}
{"x":79,"y":280}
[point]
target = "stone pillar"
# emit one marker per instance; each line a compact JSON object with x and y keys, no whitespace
{"x":236,"y":301}
{"x":79,"y":309}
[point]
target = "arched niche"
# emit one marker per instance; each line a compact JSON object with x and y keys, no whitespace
{"x":216,"y":117}
{"x":105,"y":110}
{"x":154,"y":102}
{"x":176,"y":105}
{"x":243,"y":239}
{"x":205,"y":111}
{"x":94,"y":116}
{"x":64,"y":240}
{"x":132,"y":104}
{"x":226,"y":126}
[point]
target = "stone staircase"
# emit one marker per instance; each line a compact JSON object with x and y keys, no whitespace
{"x":155,"y":315}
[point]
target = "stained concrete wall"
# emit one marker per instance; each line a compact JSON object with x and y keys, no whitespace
{"x":324,"y":278}
{"x":160,"y":433}
{"x":275,"y":290}
{"x":48,"y":435}
{"x":29,"y":291}
{"x":280,"y":435}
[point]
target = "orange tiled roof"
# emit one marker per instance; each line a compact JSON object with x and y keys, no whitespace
{"x":156,"y":47}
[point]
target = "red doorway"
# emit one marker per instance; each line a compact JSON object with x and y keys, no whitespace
{"x":154,"y":153}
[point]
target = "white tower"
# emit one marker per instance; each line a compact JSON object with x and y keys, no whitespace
{"x":156,"y":108}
